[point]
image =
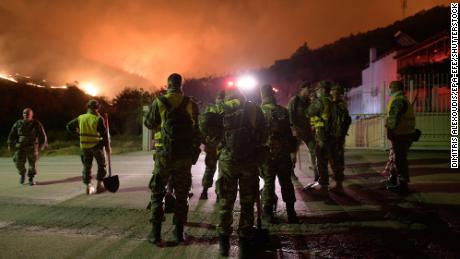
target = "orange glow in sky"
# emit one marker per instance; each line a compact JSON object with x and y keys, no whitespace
{"x":90,"y":88}
{"x":139,"y":43}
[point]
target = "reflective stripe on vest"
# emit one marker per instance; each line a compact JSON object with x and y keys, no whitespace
{"x":320,"y":121}
{"x":89,"y":137}
{"x":406,"y":123}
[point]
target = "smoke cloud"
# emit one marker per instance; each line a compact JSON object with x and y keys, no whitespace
{"x":117,"y":43}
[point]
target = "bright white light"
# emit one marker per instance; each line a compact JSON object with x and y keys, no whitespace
{"x":90,"y":89}
{"x":275,"y":89}
{"x":246,"y":83}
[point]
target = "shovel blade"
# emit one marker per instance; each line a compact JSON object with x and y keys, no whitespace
{"x":112,"y":183}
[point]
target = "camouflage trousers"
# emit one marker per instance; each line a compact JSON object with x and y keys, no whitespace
{"x":397,"y":165}
{"x":311,"y":145}
{"x":23,"y":155}
{"x":281,"y":167}
{"x":337,"y":157}
{"x":211,"y":166}
{"x":231,"y":176}
{"x":325,"y":153}
{"x":178,"y":174}
{"x":87,"y":156}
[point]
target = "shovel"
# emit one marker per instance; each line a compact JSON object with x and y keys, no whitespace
{"x":111,"y":183}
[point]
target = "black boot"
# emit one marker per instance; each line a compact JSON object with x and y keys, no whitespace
{"x":402,"y":188}
{"x":391,"y":181}
{"x":204,"y":194}
{"x":155,"y":236}
{"x":224,"y":245}
{"x":179,"y":233}
{"x":267,"y":216}
{"x":22,"y":179}
{"x":31,"y":181}
{"x":292,"y":215}
{"x":246,"y":248}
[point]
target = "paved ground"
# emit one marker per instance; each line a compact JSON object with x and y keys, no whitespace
{"x":55,"y":219}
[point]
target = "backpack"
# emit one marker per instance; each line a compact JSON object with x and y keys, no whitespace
{"x":280,"y":138}
{"x":211,"y":125}
{"x":177,"y":130}
{"x":239,"y":136}
{"x":339,"y":120}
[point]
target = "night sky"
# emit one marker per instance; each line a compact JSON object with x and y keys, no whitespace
{"x":113,"y":44}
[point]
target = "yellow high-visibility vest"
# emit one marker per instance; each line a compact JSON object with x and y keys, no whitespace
{"x":89,"y":137}
{"x":406,"y":123}
{"x":320,"y":121}
{"x":174,"y":98}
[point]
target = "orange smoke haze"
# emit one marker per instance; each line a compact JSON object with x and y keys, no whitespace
{"x":115,"y":44}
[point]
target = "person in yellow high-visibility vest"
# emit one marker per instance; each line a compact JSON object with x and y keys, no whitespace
{"x":319,"y":113}
{"x":93,"y":138}
{"x":400,"y":125}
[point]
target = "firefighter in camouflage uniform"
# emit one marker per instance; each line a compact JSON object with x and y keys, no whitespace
{"x":244,"y":134}
{"x":212,"y":152}
{"x":174,"y":119}
{"x":28,"y":136}
{"x":340,"y":122}
{"x":279,"y":164}
{"x":319,"y":113}
{"x":298,"y":114}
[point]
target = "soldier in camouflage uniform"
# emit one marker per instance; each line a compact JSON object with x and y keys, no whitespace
{"x":319,"y":113}
{"x":244,"y":133}
{"x":298,"y":114}
{"x":400,"y":124}
{"x":212,"y":152}
{"x":28,"y":136}
{"x":93,"y":136}
{"x":172,"y":160}
{"x":338,"y":132}
{"x":279,"y":164}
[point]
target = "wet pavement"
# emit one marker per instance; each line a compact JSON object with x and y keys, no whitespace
{"x":365,"y":221}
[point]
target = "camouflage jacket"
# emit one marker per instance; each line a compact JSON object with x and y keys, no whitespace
{"x":26,"y":133}
{"x":256,"y":119}
{"x":155,"y":117}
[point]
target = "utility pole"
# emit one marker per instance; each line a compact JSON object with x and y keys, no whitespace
{"x":404,"y":7}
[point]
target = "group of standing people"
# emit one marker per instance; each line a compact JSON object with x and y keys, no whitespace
{"x":248,"y":141}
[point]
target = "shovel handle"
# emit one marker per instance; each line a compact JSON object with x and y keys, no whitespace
{"x":108,"y":151}
{"x":259,"y":211}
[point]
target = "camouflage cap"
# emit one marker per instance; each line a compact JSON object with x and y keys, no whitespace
{"x":337,"y":88}
{"x":324,"y":84}
{"x":396,"y":84}
{"x":93,"y":104}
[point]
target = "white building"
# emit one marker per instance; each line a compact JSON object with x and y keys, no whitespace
{"x":370,"y":97}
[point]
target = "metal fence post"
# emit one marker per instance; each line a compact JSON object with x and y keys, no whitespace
{"x":146,"y":133}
